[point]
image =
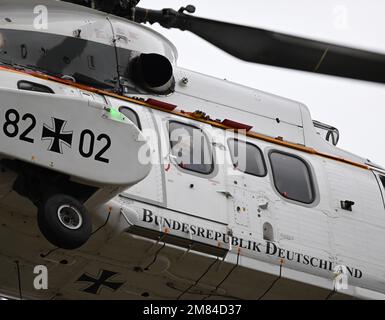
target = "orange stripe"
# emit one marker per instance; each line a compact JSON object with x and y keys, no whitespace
{"x":251,"y":134}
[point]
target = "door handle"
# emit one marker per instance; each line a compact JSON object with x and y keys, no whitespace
{"x":262,"y":203}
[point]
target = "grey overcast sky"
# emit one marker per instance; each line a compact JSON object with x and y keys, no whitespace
{"x":356,"y":108}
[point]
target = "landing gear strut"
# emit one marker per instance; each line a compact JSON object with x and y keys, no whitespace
{"x":62,"y":217}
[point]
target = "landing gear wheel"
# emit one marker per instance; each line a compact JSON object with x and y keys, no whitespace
{"x":64,"y":221}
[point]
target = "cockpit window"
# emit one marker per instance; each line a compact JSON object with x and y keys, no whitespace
{"x":32,"y":86}
{"x":131,"y":115}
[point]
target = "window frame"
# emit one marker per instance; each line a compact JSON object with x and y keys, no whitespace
{"x":381,"y":183}
{"x":50,"y":90}
{"x":260,"y":151}
{"x":310,"y":171}
{"x":382,"y":180}
{"x":138,"y":123}
{"x":209,"y":143}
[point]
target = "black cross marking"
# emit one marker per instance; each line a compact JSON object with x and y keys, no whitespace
{"x":57,"y":135}
{"x":100,"y":281}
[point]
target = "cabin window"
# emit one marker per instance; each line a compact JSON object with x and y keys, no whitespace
{"x":131,"y":115}
{"x":247,"y":157}
{"x":292,"y":177}
{"x":32,"y":86}
{"x":191,"y":148}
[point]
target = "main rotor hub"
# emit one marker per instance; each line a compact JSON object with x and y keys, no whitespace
{"x":93,"y":47}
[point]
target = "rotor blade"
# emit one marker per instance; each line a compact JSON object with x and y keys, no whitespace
{"x":275,"y":49}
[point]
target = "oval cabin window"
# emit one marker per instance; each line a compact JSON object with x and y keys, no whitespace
{"x":32,"y":86}
{"x":292,"y":177}
{"x":247,"y":157}
{"x":191,"y":148}
{"x":131,"y":115}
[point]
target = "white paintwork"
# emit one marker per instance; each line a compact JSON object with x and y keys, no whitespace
{"x":127,"y":243}
{"x":223,"y":99}
{"x":126,"y":138}
{"x":323,"y":231}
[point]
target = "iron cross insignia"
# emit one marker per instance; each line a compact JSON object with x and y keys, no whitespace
{"x":57,"y":135}
{"x":100,"y":281}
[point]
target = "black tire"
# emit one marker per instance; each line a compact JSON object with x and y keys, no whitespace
{"x":64,"y":221}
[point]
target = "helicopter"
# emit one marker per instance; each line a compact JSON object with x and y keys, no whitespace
{"x":129,"y":177}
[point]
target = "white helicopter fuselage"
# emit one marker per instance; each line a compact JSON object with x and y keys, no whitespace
{"x":180,"y":232}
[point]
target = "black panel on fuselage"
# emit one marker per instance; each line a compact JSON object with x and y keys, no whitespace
{"x":88,"y":62}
